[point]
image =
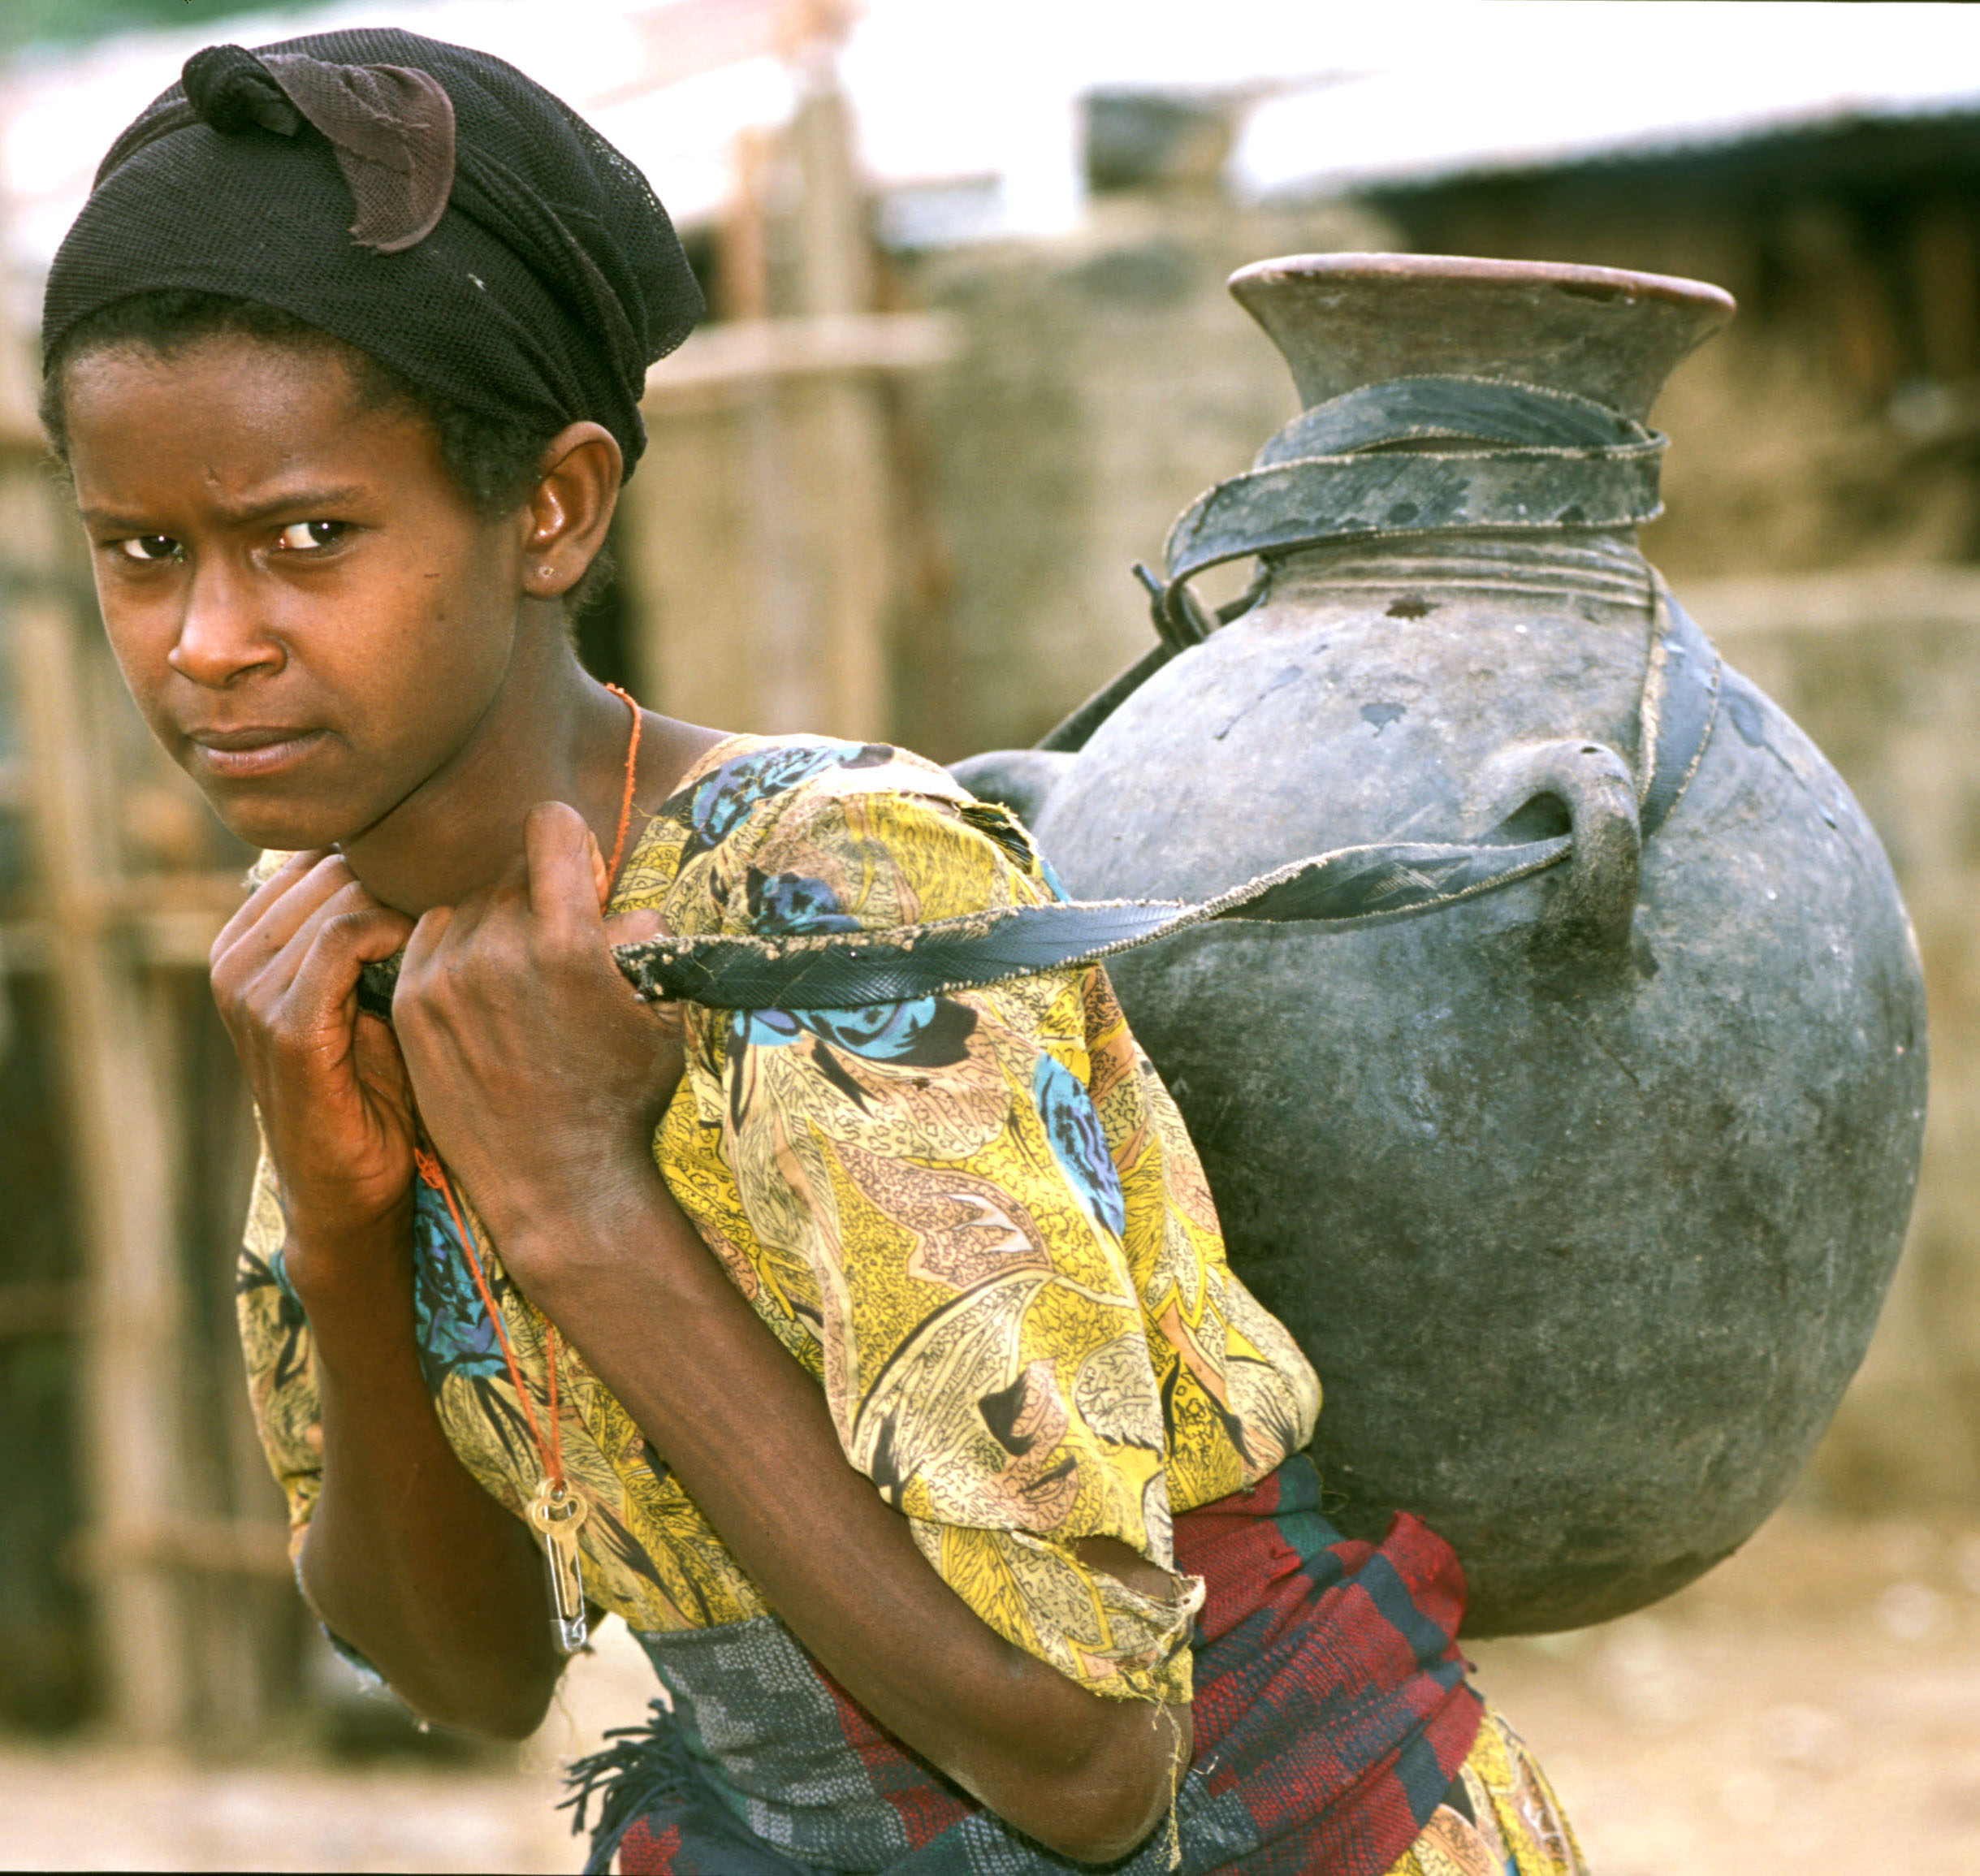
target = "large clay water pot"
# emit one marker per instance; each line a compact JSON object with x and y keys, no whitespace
{"x":1582,"y":1194}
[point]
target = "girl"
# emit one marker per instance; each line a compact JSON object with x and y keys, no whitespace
{"x":880,"y":1369}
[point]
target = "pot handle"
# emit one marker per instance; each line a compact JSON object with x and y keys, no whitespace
{"x":1594,"y":895}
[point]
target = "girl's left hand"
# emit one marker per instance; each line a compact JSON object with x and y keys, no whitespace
{"x":538,"y":1075}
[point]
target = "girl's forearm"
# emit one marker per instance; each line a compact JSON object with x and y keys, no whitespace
{"x":748,"y":1434}
{"x":407,"y":1559}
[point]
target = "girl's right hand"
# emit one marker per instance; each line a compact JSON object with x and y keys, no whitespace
{"x":336,"y":1105}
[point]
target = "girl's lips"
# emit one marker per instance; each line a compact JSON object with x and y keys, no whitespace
{"x":245,"y":756}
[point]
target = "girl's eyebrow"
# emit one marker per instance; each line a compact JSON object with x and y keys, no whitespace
{"x":311,"y":499}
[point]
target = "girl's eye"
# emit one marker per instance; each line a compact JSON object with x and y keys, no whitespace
{"x":149,"y":547}
{"x":302,"y":536}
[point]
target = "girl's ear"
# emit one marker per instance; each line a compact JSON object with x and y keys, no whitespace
{"x":570,"y":508}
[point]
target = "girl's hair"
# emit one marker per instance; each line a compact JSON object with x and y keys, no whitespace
{"x":491,"y":462}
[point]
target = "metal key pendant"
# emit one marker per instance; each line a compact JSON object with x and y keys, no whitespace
{"x":556,"y":1511}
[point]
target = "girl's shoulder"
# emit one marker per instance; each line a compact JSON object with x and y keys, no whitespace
{"x":789,"y":814}
{"x":748,"y":783}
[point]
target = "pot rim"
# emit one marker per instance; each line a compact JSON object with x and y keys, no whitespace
{"x":1597,"y":282}
{"x":1342,"y":321}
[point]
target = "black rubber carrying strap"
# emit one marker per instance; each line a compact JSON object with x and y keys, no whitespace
{"x":1562,"y":461}
{"x":1352,"y":887}
{"x":1357,"y":467}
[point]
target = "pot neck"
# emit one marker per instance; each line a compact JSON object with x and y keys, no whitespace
{"x":1600,"y":573}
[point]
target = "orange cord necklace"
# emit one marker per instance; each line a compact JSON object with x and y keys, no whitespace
{"x":555,"y":1511}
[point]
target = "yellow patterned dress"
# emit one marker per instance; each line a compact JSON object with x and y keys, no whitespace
{"x":975,"y":1220}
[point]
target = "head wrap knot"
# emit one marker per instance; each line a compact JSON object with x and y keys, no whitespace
{"x":390,"y":127}
{"x":231,"y":89}
{"x":505,"y":257}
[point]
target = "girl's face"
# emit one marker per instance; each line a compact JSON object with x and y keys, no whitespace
{"x":310,"y":615}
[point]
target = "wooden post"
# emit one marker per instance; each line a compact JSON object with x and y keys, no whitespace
{"x":767,"y":688}
{"x":840,"y":427}
{"x":130,"y":1306}
{"x":761,"y":534}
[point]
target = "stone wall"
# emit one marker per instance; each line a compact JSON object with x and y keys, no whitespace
{"x":1104,"y":383}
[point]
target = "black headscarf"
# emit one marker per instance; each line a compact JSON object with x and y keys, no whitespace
{"x":425,"y":203}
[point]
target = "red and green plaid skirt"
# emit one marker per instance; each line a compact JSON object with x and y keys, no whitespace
{"x":1331,"y":1717}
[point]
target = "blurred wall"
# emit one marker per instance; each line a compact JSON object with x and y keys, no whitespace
{"x":1102,"y":383}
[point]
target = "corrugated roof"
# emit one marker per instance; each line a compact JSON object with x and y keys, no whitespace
{"x":1526,"y":85}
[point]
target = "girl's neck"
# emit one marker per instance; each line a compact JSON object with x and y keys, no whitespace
{"x":552,"y":733}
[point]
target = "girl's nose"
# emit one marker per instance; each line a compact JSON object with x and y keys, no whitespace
{"x":222,"y":635}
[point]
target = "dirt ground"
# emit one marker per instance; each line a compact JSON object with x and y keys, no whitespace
{"x":1814,"y":1704}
